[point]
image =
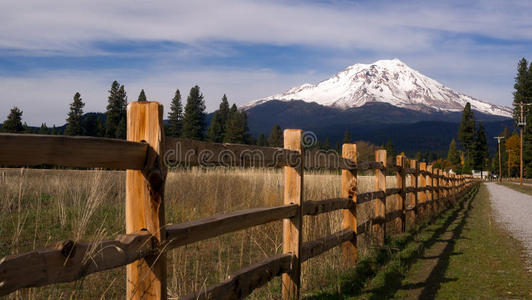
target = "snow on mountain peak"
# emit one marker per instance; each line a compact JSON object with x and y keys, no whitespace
{"x":390,"y":81}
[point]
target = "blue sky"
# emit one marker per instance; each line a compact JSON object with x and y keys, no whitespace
{"x":247,"y":49}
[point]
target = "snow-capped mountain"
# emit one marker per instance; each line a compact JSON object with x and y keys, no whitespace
{"x":389,"y":81}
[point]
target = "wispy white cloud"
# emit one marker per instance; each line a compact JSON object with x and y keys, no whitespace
{"x":471,"y":46}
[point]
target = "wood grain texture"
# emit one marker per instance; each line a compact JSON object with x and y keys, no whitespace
{"x":400,"y":179}
{"x":430,"y":191}
{"x":70,"y":151}
{"x":312,"y":208}
{"x":240,"y":284}
{"x":349,"y":216}
{"x":321,"y":245}
{"x":68,"y":261}
{"x":379,"y":211}
{"x":146,"y":278}
{"x":422,"y":194}
{"x":198,"y":230}
{"x":436,"y":187}
{"x":412,"y":199}
{"x":187,"y":152}
{"x":292,"y":227}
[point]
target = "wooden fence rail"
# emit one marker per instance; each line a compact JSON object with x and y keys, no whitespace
{"x":147,"y":154}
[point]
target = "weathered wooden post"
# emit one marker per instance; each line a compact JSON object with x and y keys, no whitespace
{"x":292,"y":227}
{"x":422,"y":196}
{"x":400,"y":177}
{"x":436,"y":187}
{"x":349,"y":190}
{"x":430,"y":192}
{"x":412,"y":200}
{"x":379,"y":226}
{"x":146,"y":278}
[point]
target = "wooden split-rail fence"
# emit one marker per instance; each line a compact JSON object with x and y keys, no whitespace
{"x":146,"y":154}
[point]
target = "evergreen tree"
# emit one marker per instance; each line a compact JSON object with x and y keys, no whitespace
{"x":115,"y":122}
{"x":27,"y":129}
{"x":142,"y":96}
{"x":93,"y":125}
{"x":237,"y":127}
{"x":347,"y":137}
{"x":74,"y":126}
{"x":219,"y":122}
{"x":481,"y":152}
{"x":224,"y":112}
{"x":466,"y":131}
{"x":261,"y":141}
{"x":43,"y":129}
{"x":275,"y":139}
{"x":326,"y":144}
{"x":54,"y":130}
{"x":175,"y":116}
{"x":13,"y":123}
{"x":453,"y":157}
{"x":418,"y":156}
{"x":521,"y":87}
{"x":194,"y":117}
{"x":215,"y":132}
{"x":390,"y":149}
{"x":121,"y":129}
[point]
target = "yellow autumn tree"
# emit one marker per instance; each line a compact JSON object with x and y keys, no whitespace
{"x":512,"y":147}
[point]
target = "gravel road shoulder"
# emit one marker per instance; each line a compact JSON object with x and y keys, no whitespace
{"x":514,"y":210}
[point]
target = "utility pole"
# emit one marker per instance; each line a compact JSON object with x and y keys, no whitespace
{"x":521,"y":124}
{"x":499,"y":138}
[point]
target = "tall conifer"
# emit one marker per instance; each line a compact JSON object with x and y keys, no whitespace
{"x":74,"y":126}
{"x":194,"y":117}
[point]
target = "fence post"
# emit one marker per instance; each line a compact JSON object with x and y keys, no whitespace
{"x":292,"y":227}
{"x":422,"y":197}
{"x":400,"y":178}
{"x":379,"y":226}
{"x":430,"y":193}
{"x":436,"y":187}
{"x":412,"y":203}
{"x":349,"y":220}
{"x":146,"y":278}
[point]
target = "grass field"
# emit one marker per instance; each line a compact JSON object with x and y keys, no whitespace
{"x":463,"y":254}
{"x":40,"y":207}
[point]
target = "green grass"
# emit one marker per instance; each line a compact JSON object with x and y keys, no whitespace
{"x":527,"y":189}
{"x":379,"y":276}
{"x":464,"y":254}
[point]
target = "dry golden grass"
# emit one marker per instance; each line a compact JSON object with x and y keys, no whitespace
{"x":38,"y":207}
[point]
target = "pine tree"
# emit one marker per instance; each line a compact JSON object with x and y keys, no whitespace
{"x":215,"y":132}
{"x":142,"y":96}
{"x":43,"y":129}
{"x":115,"y":122}
{"x":219,"y":122}
{"x":194,"y":117}
{"x":74,"y":126}
{"x":224,"y":110}
{"x":261,"y":141}
{"x":466,"y":131}
{"x":326,"y":144}
{"x":521,"y":87}
{"x":54,"y":130}
{"x":275,"y":139}
{"x":390,"y":149}
{"x":480,"y":152}
{"x":27,"y":129}
{"x":237,"y":127}
{"x":175,"y":116}
{"x":121,"y":129}
{"x":13,"y":123}
{"x":453,"y":157}
{"x":347,"y":137}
